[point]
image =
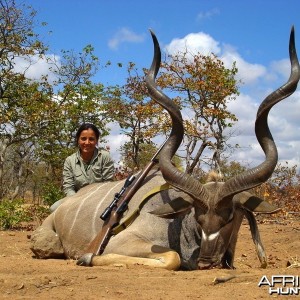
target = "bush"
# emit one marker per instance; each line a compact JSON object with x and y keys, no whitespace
{"x":51,"y":193}
{"x":37,"y":214}
{"x":12,"y":213}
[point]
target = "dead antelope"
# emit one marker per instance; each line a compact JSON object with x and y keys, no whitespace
{"x":198,"y":224}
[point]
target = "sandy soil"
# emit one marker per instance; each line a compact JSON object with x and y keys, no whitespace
{"x":23,"y":277}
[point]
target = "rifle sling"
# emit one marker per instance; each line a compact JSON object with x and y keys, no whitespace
{"x":129,"y":220}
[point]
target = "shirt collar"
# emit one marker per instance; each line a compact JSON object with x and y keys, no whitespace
{"x":96,"y":153}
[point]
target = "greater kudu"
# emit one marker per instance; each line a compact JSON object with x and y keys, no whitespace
{"x":198,"y":224}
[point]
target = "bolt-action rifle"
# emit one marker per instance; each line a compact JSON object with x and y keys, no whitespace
{"x":114,"y":212}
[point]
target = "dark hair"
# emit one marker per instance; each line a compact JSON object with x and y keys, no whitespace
{"x":86,"y":126}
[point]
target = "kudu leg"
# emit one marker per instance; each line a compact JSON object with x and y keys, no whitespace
{"x":140,"y":252}
{"x":167,"y":260}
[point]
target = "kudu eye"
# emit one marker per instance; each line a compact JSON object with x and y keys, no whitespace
{"x":226,"y":215}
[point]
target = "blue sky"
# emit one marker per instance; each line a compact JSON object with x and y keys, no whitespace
{"x":253,"y":33}
{"x":257,"y":29}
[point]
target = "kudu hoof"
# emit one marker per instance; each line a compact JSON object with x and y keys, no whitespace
{"x":85,"y":260}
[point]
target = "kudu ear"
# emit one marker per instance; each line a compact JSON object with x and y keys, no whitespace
{"x":175,"y":208}
{"x":254,"y":203}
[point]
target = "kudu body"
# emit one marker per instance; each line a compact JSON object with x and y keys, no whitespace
{"x":198,"y":224}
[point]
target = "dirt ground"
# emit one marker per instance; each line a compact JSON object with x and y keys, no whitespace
{"x":24,"y":277}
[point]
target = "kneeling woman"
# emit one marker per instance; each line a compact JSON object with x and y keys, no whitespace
{"x":88,"y":165}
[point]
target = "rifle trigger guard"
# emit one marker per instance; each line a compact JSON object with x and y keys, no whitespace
{"x":85,"y":260}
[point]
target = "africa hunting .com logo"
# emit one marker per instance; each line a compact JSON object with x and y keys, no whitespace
{"x":281,"y":284}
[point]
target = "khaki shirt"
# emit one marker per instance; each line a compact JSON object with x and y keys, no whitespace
{"x":76,"y":174}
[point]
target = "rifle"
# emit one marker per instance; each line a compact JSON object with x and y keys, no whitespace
{"x":114,"y":212}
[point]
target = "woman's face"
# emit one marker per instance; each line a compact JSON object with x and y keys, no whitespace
{"x":87,"y":141}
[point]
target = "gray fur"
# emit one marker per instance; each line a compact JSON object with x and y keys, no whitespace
{"x":68,"y":231}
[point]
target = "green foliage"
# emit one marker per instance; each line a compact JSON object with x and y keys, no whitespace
{"x":15,"y":214}
{"x":38,"y":213}
{"x":51,"y":193}
{"x":39,"y":118}
{"x":12,"y":213}
{"x":137,"y":157}
{"x":138,"y":116}
{"x":205,"y":86}
{"x":231,"y":168}
{"x":145,"y":154}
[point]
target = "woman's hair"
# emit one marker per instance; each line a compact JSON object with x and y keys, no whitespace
{"x":86,"y":126}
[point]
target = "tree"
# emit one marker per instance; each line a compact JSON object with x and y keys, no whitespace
{"x":138,"y":116}
{"x":23,"y":114}
{"x":203,"y":87}
{"x":19,"y":119}
{"x":75,"y":100}
{"x":146,"y":152}
{"x":282,"y":189}
{"x":39,"y":117}
{"x":230,"y":169}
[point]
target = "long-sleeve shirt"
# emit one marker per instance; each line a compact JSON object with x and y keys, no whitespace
{"x":77,"y":174}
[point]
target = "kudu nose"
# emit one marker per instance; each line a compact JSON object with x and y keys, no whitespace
{"x":205,"y":265}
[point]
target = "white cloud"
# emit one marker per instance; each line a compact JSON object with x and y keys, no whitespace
{"x":248,"y":73}
{"x":282,"y":67}
{"x":258,"y":82}
{"x":194,"y":42}
{"x":208,"y":14}
{"x":283,"y":123}
{"x":242,"y":132}
{"x":124,"y":35}
{"x":36,"y":66}
{"x":115,"y":140}
{"x":203,"y":43}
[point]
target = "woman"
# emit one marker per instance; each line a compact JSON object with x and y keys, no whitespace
{"x":87,"y":165}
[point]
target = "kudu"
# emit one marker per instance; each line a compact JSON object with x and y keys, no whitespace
{"x":198,"y":224}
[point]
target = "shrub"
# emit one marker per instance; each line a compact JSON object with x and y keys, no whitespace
{"x":37,"y":214}
{"x":51,"y":193}
{"x":12,"y":213}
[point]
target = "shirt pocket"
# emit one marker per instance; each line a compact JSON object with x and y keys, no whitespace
{"x":79,"y":179}
{"x":97,"y":173}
